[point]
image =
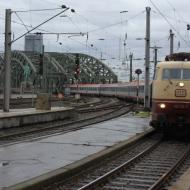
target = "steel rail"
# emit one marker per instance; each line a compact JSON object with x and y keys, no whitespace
{"x":105,"y":177}
{"x":166,"y":176}
{"x":99,"y":108}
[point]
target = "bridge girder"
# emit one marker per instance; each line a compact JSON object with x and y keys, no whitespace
{"x":59,"y":69}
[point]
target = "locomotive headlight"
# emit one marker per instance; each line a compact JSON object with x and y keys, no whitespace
{"x":181,"y":84}
{"x":162,"y":106}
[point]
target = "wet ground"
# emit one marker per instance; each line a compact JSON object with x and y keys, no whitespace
{"x":26,"y":160}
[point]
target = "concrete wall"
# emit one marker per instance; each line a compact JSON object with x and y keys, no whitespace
{"x":36,"y":117}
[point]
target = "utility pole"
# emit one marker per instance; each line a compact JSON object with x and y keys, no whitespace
{"x":147,"y":61}
{"x":130,"y":66}
{"x":155,"y":58}
{"x":7,"y":59}
{"x":155,"y":48}
{"x":44,"y":72}
{"x":171,"y":42}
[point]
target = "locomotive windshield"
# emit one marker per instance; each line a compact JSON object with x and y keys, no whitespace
{"x":176,"y":73}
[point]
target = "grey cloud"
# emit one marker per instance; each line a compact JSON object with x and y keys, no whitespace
{"x":92,"y":15}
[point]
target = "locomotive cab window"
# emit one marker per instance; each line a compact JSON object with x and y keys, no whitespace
{"x":172,"y":74}
{"x":186,"y":74}
{"x":176,"y":74}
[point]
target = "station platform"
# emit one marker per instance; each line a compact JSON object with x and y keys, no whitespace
{"x":19,"y":96}
{"x":23,"y":117}
{"x":183,"y":182}
{"x":29,"y":162}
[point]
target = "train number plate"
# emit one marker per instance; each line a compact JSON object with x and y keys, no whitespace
{"x":180,"y":93}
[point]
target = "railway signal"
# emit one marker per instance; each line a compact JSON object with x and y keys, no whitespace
{"x":77,"y":67}
{"x":77,"y":72}
{"x":41,"y":62}
{"x":138,"y":72}
{"x":188,"y":26}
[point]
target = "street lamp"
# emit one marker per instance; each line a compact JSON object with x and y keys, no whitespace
{"x":138,"y":72}
{"x":101,"y":39}
{"x":124,"y":42}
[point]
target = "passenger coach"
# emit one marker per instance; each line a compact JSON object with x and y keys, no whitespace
{"x":126,"y":90}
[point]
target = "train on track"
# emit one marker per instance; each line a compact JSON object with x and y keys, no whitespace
{"x":121,"y":90}
{"x":170,"y":92}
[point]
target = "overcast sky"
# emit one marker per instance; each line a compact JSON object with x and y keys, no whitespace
{"x":106,"y":26}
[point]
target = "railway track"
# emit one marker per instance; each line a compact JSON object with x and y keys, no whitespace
{"x":87,"y":104}
{"x":20,"y":102}
{"x":38,"y":131}
{"x":105,"y":104}
{"x":146,"y":165}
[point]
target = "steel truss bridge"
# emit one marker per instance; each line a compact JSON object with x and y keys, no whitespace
{"x":59,"y":69}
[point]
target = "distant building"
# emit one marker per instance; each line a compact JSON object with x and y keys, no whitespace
{"x":34,"y":43}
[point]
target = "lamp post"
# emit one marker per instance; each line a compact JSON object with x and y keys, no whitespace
{"x":124,"y":41}
{"x":147,"y":61}
{"x":138,"y":72}
{"x":124,"y":50}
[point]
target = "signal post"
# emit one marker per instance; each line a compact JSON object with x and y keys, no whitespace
{"x":77,"y":72}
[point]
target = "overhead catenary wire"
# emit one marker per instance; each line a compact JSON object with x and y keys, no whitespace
{"x":29,"y":26}
{"x":184,"y":21}
{"x":40,"y":25}
{"x":176,"y":11}
{"x":111,"y":25}
{"x":98,"y":29}
{"x":48,"y":32}
{"x":89,"y":45}
{"x":165,"y":18}
{"x":70,"y":19}
{"x":94,"y":48}
{"x":39,"y":10}
{"x":21,"y":21}
{"x":88,"y":35}
{"x":171,"y":18}
{"x":115,"y":24}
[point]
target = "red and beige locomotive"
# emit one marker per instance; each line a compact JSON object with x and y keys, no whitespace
{"x":171,"y":93}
